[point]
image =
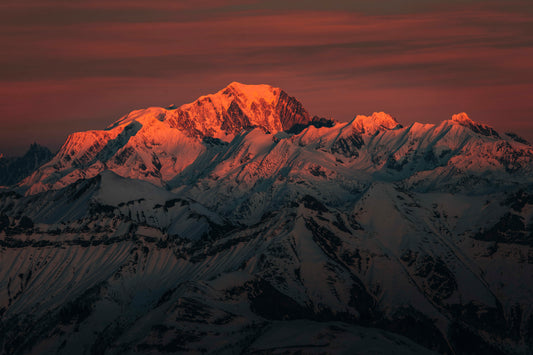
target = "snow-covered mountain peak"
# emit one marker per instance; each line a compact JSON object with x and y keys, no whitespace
{"x":227,"y":112}
{"x":237,"y":107}
{"x":252,"y":92}
{"x":485,"y":130}
{"x":155,"y":144}
{"x":237,"y":132}
{"x":238,"y":220}
{"x":377,"y":122}
{"x":462,"y":118}
{"x":244,"y":95}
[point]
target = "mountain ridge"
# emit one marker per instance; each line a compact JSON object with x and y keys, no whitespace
{"x":157,"y":144}
{"x":148,"y":237}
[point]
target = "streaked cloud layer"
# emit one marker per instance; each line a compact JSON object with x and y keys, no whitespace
{"x":77,"y":65}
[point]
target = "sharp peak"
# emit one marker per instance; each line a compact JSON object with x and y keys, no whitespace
{"x":253,"y":90}
{"x":249,"y":92}
{"x":378,"y":116}
{"x":462,"y":117}
{"x":242,"y":100}
{"x":239,"y":85}
{"x":480,"y":128}
{"x":375,"y":122}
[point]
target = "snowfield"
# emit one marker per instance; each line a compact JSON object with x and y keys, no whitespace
{"x":240,"y":224}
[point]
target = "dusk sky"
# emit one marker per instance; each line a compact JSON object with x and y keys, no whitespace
{"x":68,"y":66}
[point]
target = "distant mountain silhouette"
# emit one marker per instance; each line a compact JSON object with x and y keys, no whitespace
{"x":14,"y":169}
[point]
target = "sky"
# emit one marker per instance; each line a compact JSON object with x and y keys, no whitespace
{"x":68,"y":66}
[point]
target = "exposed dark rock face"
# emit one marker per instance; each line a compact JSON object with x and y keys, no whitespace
{"x":517,"y":138}
{"x":348,"y":146}
{"x":234,"y":119}
{"x":317,"y":122}
{"x":114,"y":145}
{"x":291,"y":111}
{"x":184,"y":122}
{"x":509,"y":229}
{"x":484,"y":130}
{"x":437,"y":281}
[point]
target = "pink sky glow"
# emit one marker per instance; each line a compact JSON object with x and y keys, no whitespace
{"x":69,"y":66}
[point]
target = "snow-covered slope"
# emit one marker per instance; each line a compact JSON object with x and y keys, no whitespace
{"x":156,"y":144}
{"x":237,"y":224}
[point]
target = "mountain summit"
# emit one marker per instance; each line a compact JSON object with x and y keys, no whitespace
{"x":229,"y":111}
{"x":236,"y":224}
{"x":374,"y":123}
{"x":463,"y":119}
{"x":158,"y":145}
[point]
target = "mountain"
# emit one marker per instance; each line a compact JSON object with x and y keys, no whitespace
{"x":14,"y":169}
{"x":240,"y":224}
{"x":156,"y":144}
